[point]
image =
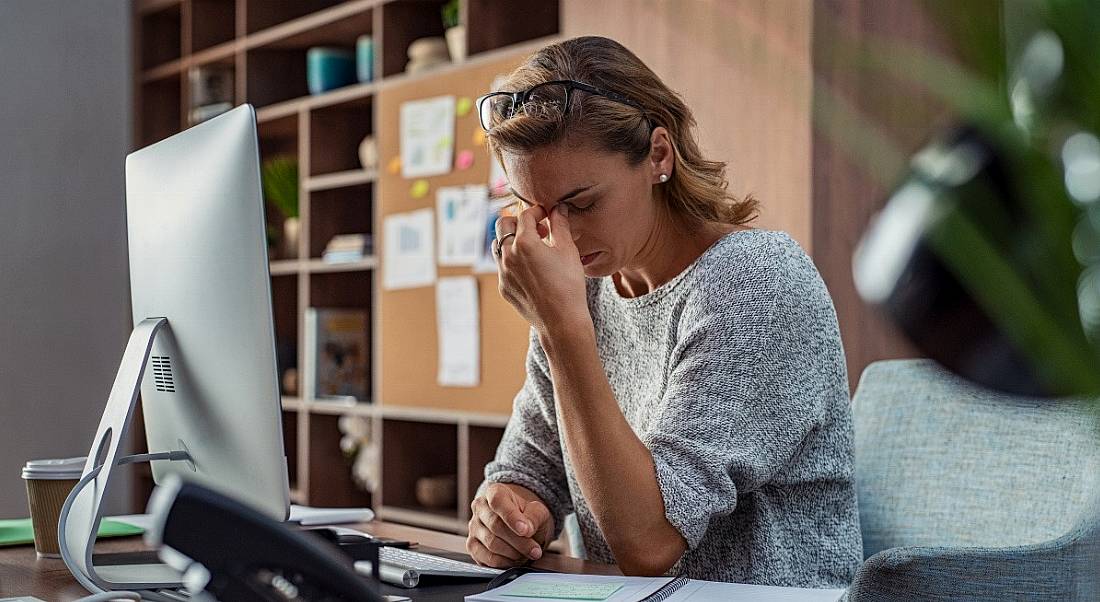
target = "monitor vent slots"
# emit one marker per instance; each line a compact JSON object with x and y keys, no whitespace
{"x":162,"y":374}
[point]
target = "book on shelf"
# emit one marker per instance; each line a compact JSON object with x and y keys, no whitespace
{"x":211,"y":91}
{"x":344,"y":248}
{"x":337,"y":354}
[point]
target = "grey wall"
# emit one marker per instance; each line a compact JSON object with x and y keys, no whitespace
{"x":64,"y":296}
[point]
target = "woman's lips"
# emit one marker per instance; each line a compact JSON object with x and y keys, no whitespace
{"x":587,"y":259}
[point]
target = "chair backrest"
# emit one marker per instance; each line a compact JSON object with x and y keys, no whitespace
{"x":942,"y":462}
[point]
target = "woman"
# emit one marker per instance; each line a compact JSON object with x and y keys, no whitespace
{"x":686,"y":393}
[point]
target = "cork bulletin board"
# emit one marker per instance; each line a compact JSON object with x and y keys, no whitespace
{"x":408,"y":343}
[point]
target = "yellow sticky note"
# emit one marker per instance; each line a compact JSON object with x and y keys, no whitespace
{"x":419,"y":189}
{"x":394,"y":166}
{"x":479,"y":137}
{"x":463,"y":106}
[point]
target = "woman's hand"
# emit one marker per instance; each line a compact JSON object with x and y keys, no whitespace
{"x":540,"y":270}
{"x":509,"y":526}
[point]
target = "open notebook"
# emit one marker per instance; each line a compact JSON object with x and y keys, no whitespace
{"x":558,"y":587}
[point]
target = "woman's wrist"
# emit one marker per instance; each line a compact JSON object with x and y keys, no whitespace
{"x":565,"y":335}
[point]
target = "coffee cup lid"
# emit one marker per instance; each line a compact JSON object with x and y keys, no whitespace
{"x":58,"y":469}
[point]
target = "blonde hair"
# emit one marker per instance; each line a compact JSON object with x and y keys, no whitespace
{"x":697,"y":188}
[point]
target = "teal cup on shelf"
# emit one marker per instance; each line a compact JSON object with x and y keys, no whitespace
{"x":329,"y":68}
{"x":364,"y":58}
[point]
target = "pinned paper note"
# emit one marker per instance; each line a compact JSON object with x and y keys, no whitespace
{"x":419,"y":189}
{"x":479,"y":137}
{"x":427,"y":136}
{"x":394,"y":166}
{"x":463,"y":106}
{"x":457,"y":328}
{"x":486,"y":263}
{"x":460,"y":212}
{"x":464,"y":160}
{"x":409,"y":253}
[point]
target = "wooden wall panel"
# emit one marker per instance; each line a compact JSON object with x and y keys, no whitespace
{"x":845,"y":193}
{"x":743,"y":66}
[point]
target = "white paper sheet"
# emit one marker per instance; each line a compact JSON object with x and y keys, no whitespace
{"x":409,"y":256}
{"x":460,"y":211}
{"x":457,"y":326}
{"x":711,"y":591}
{"x":427,"y":136}
{"x":633,"y":588}
{"x":486,"y":263}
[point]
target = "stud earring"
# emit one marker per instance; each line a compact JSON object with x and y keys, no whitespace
{"x":664,"y":178}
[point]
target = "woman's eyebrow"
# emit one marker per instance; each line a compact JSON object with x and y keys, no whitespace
{"x":564,"y":198}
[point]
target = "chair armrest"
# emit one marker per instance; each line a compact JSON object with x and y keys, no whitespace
{"x":1060,"y":569}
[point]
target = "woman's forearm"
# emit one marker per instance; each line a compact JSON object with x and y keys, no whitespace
{"x":613,"y":466}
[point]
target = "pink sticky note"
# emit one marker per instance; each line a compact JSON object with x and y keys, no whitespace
{"x":465,"y":159}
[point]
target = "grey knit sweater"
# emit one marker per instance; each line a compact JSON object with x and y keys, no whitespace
{"x":733,"y":376}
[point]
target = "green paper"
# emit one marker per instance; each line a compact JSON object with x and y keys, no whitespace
{"x":564,"y":591}
{"x":18,"y":531}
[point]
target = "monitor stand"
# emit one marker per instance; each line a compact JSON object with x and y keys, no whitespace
{"x":79,"y":526}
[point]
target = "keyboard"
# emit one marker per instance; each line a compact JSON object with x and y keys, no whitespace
{"x":404,"y":568}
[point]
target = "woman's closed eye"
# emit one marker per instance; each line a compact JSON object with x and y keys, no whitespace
{"x":581,"y":206}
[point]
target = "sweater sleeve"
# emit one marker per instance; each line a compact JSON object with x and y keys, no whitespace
{"x":745,"y":387}
{"x":530,"y":453}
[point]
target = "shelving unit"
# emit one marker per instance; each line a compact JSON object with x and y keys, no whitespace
{"x":265,"y":41}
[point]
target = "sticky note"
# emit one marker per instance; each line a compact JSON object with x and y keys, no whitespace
{"x":464,"y":160}
{"x":419,"y":189}
{"x":463,"y":106}
{"x":564,"y":590}
{"x":394,"y":166}
{"x":479,"y":137}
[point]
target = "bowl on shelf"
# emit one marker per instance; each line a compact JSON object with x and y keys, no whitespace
{"x":437,"y":492}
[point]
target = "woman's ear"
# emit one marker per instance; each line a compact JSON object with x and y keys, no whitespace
{"x":662,"y":160}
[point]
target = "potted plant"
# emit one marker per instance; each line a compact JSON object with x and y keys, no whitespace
{"x":280,"y":184}
{"x":455,"y":31}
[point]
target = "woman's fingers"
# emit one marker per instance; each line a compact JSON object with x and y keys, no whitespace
{"x":497,"y":525}
{"x":505,"y":224}
{"x":485,"y":557}
{"x":527,"y":222}
{"x":492,"y":542}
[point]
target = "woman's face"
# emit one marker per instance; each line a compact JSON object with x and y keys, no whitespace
{"x":612,"y":210}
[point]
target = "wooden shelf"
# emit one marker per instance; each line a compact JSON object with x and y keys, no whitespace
{"x":266,"y":43}
{"x":325,"y":27}
{"x":166,"y":70}
{"x":342,"y":408}
{"x":285,"y":267}
{"x":420,"y":517}
{"x":341,"y":179}
{"x":319,"y":266}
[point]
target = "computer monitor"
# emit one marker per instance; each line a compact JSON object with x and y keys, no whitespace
{"x":203,"y":347}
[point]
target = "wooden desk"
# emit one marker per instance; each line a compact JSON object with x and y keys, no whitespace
{"x":22,"y":573}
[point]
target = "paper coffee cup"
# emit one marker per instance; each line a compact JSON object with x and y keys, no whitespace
{"x":49,"y":482}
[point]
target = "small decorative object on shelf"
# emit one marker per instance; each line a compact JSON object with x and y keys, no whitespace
{"x":290,"y":382}
{"x":368,"y":153}
{"x":211,"y":92}
{"x":364,"y":58}
{"x":347,"y":247}
{"x":280,"y":183}
{"x":361,"y":449}
{"x":426,"y":53}
{"x":328,"y":68}
{"x":437,"y":492}
{"x":455,"y":32}
{"x":337,"y":354}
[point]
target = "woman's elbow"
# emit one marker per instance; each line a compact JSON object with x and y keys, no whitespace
{"x":651,"y":558}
